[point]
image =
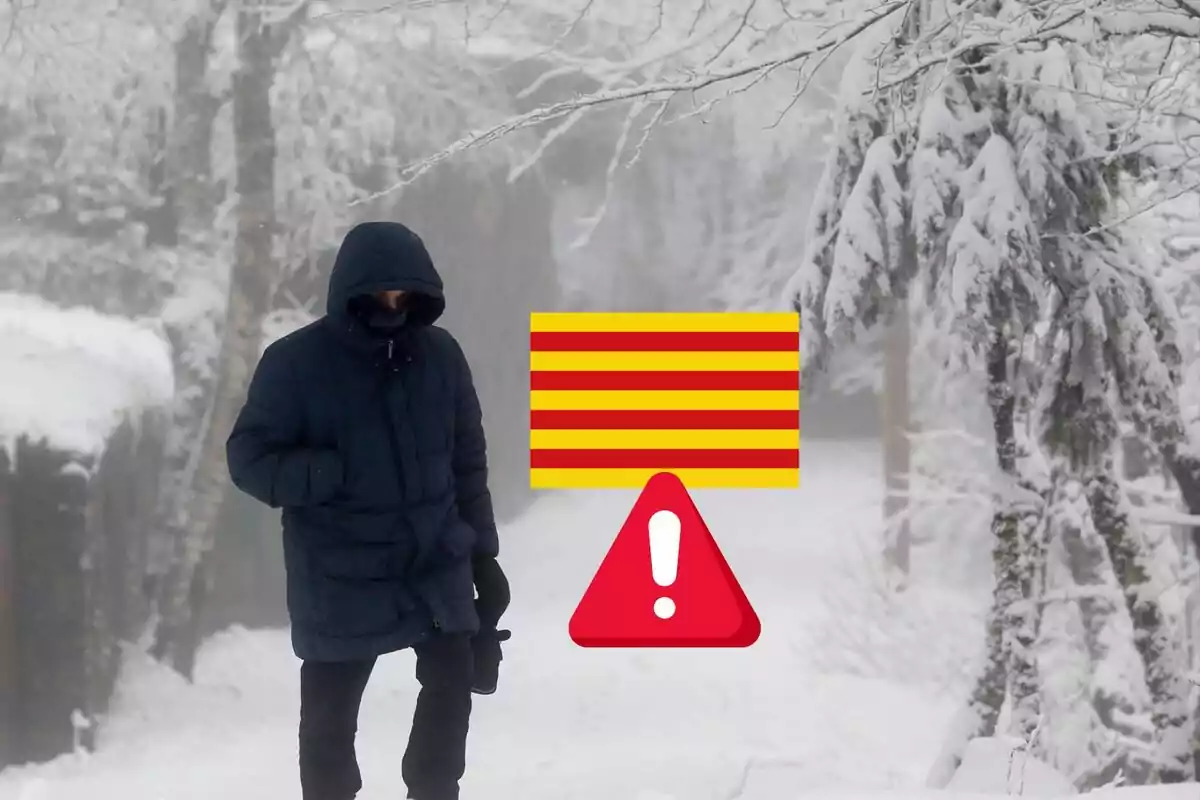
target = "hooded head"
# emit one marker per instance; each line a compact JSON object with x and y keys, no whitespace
{"x":381,"y":257}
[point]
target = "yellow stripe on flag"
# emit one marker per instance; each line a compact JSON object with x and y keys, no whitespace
{"x":637,"y":478}
{"x":644,"y":361}
{"x":571,"y":322}
{"x":540,"y":439}
{"x":546,"y":400}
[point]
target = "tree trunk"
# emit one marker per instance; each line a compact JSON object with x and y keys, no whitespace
{"x":248,"y":304}
{"x":1017,"y":553}
{"x":1100,"y":603}
{"x":181,"y":172}
{"x":1159,"y":648}
{"x":1164,"y":427}
{"x":188,"y":205}
{"x":162,"y":221}
{"x":897,"y":451}
{"x":1009,"y":664}
{"x":195,"y":107}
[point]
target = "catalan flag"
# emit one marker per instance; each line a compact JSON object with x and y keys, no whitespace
{"x":711,"y":397}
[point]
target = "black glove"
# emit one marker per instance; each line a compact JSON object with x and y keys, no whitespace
{"x":488,"y":655}
{"x":491,"y":588}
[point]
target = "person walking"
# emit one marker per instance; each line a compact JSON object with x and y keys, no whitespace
{"x":366,"y":430}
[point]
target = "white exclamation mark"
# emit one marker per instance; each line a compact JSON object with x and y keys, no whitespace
{"x":664,"y":557}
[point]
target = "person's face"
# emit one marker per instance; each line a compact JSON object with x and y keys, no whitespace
{"x":392,"y":299}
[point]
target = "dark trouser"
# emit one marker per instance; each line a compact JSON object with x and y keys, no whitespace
{"x":330,"y":695}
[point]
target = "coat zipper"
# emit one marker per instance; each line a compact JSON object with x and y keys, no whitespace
{"x":393,"y":438}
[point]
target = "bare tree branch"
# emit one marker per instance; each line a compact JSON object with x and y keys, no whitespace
{"x":1047,"y":31}
{"x":652,"y":90}
{"x":1162,"y":23}
{"x":1132,"y":215}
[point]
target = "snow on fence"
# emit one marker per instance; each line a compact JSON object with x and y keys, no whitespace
{"x":82,"y":423}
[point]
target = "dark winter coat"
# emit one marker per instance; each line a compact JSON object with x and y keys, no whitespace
{"x":375,"y":451}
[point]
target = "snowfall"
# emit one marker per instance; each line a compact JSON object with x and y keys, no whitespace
{"x":847,"y":694}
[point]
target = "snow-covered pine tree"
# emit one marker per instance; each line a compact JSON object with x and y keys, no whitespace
{"x":1068,"y":187}
{"x":1131,"y":309}
{"x":1002,"y":189}
{"x":946,"y":188}
{"x":860,"y":122}
{"x":1117,"y":325}
{"x":1080,"y":427}
{"x":1172,"y":65}
{"x":1175,"y":227}
{"x":1146,"y":350}
{"x":1093,"y":274}
{"x":986,"y":292}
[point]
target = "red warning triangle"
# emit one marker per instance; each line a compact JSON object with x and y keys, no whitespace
{"x":695,"y":602}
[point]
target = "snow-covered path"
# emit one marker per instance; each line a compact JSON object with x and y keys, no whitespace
{"x":791,"y":711}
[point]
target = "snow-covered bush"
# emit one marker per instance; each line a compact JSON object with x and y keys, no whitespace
{"x":82,"y":423}
{"x":73,"y":376}
{"x":1004,"y":766}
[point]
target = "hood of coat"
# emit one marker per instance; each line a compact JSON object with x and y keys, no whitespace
{"x":385,"y":256}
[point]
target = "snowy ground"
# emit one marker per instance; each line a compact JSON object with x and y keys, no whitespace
{"x":846,"y":690}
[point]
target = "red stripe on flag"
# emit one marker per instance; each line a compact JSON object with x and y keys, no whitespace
{"x":665,"y":381}
{"x":665,"y":420}
{"x":665,"y":341}
{"x":664,"y":459}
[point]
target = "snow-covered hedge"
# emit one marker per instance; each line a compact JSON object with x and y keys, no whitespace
{"x":82,"y":425}
{"x":71,"y":377}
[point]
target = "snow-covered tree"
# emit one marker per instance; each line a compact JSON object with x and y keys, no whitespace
{"x":317,"y":123}
{"x":972,"y":236}
{"x":1082,"y":429}
{"x":995,"y":177}
{"x":260,"y":42}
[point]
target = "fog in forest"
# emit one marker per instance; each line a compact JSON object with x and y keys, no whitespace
{"x":176,"y":179}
